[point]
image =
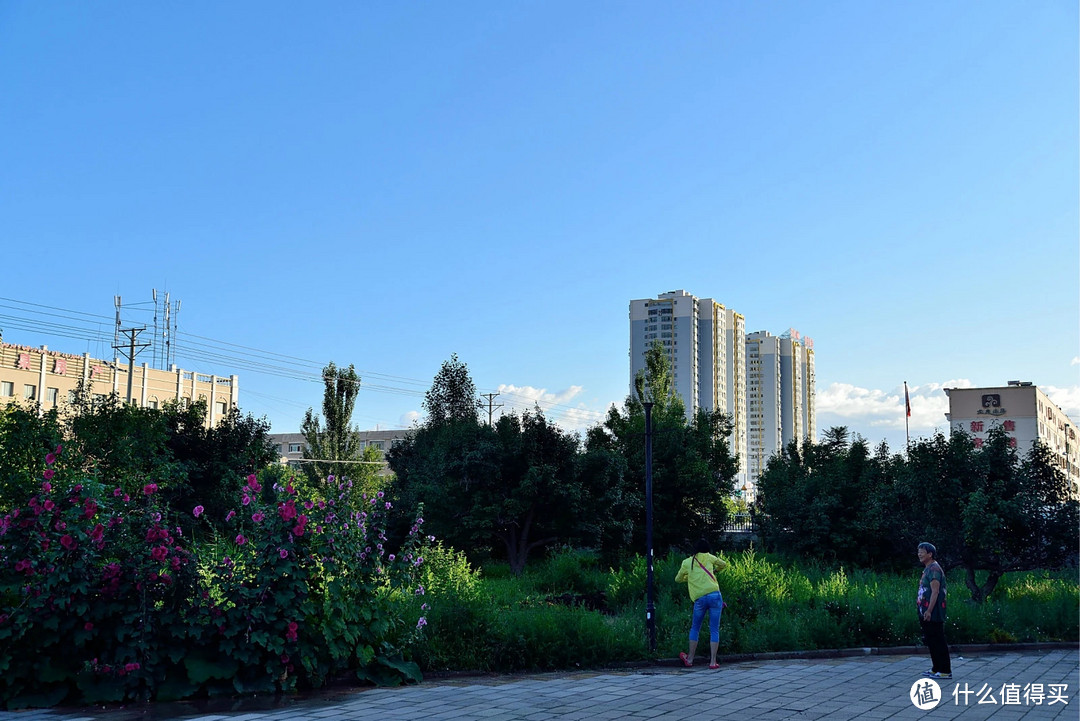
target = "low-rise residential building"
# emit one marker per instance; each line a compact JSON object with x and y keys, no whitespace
{"x":291,"y":445}
{"x":49,"y":379}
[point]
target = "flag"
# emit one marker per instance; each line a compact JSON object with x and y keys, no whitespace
{"x":907,"y":400}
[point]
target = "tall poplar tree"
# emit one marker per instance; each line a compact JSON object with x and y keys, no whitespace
{"x":338,"y":439}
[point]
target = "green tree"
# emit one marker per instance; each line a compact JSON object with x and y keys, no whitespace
{"x":511,"y":489}
{"x":828,"y":500}
{"x":338,"y":439}
{"x":452,"y":396}
{"x":987,"y":509}
{"x":25,"y":439}
{"x":693,"y":468}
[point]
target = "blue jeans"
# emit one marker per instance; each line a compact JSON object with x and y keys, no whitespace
{"x":711,"y":602}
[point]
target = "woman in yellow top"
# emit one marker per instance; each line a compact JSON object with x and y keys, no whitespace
{"x":699,"y":572}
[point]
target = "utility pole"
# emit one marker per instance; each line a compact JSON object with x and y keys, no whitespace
{"x":131,"y":334}
{"x":490,"y":405}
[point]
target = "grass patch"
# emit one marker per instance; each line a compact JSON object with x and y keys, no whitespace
{"x":489,"y":620}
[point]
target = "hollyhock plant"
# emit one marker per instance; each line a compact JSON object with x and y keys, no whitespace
{"x":234,"y":622}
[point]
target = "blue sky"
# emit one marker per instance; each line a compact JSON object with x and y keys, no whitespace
{"x":385,"y":184}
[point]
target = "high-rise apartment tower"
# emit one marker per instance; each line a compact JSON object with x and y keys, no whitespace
{"x":706,"y":346}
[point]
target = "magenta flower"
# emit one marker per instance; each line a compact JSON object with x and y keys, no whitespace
{"x":240,"y":540}
{"x":58,"y":449}
{"x":50,"y":458}
{"x":159,"y":553}
{"x":419,"y":590}
{"x":421,"y":623}
{"x":291,"y":632}
{"x":391,"y":557}
{"x":88,"y":626}
{"x":49,"y":505}
{"x":149,"y":489}
{"x":257,"y":517}
{"x":67,"y":542}
{"x":283,"y":553}
{"x":48,"y":474}
{"x":229,"y":515}
{"x":117,"y":492}
{"x":46,"y":487}
{"x":197,"y":511}
{"x":246,"y":500}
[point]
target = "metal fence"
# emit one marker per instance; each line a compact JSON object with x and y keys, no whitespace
{"x":741,"y":523}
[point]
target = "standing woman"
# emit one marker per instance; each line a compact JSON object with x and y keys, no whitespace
{"x":699,"y":573}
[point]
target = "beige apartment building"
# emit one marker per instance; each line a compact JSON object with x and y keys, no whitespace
{"x":31,"y":375}
{"x":1025,"y":413}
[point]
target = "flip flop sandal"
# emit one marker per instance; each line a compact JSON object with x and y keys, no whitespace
{"x":714,"y":666}
{"x":685,"y":659}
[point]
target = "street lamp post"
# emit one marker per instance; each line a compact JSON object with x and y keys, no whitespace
{"x":650,"y":605}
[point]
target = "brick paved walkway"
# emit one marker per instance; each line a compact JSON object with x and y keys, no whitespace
{"x":865,"y":687}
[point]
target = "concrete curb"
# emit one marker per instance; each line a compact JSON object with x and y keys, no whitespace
{"x":957,"y":649}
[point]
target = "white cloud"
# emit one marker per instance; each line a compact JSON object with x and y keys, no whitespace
{"x":880,"y":409}
{"x":1075,"y":361}
{"x":558,"y":406}
{"x":407,"y":420}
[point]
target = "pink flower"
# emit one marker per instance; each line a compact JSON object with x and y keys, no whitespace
{"x":287,"y":510}
{"x":290,"y":634}
{"x":283,"y":553}
{"x":50,"y":458}
{"x":298,"y":530}
{"x":117,"y":492}
{"x":67,"y":542}
{"x":421,"y":623}
{"x":149,"y":489}
{"x":197,"y":511}
{"x":97,"y":533}
{"x":48,"y":474}
{"x":58,"y":449}
{"x":257,"y":517}
{"x":159,"y":553}
{"x":391,"y":557}
{"x":419,"y":590}
{"x":308,"y":505}
{"x":49,"y":505}
{"x":46,"y":486}
{"x":126,"y":498}
{"x":289,"y":489}
{"x":240,"y":540}
{"x":88,"y":626}
{"x":229,"y":515}
{"x":246,"y":500}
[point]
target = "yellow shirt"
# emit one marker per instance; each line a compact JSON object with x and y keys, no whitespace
{"x":700,"y":581}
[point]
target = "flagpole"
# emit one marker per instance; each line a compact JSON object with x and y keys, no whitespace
{"x":907,"y":415}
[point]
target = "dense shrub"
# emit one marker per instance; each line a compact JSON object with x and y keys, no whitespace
{"x":103,"y":597}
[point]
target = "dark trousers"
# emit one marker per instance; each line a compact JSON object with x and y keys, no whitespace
{"x":934,"y":636}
